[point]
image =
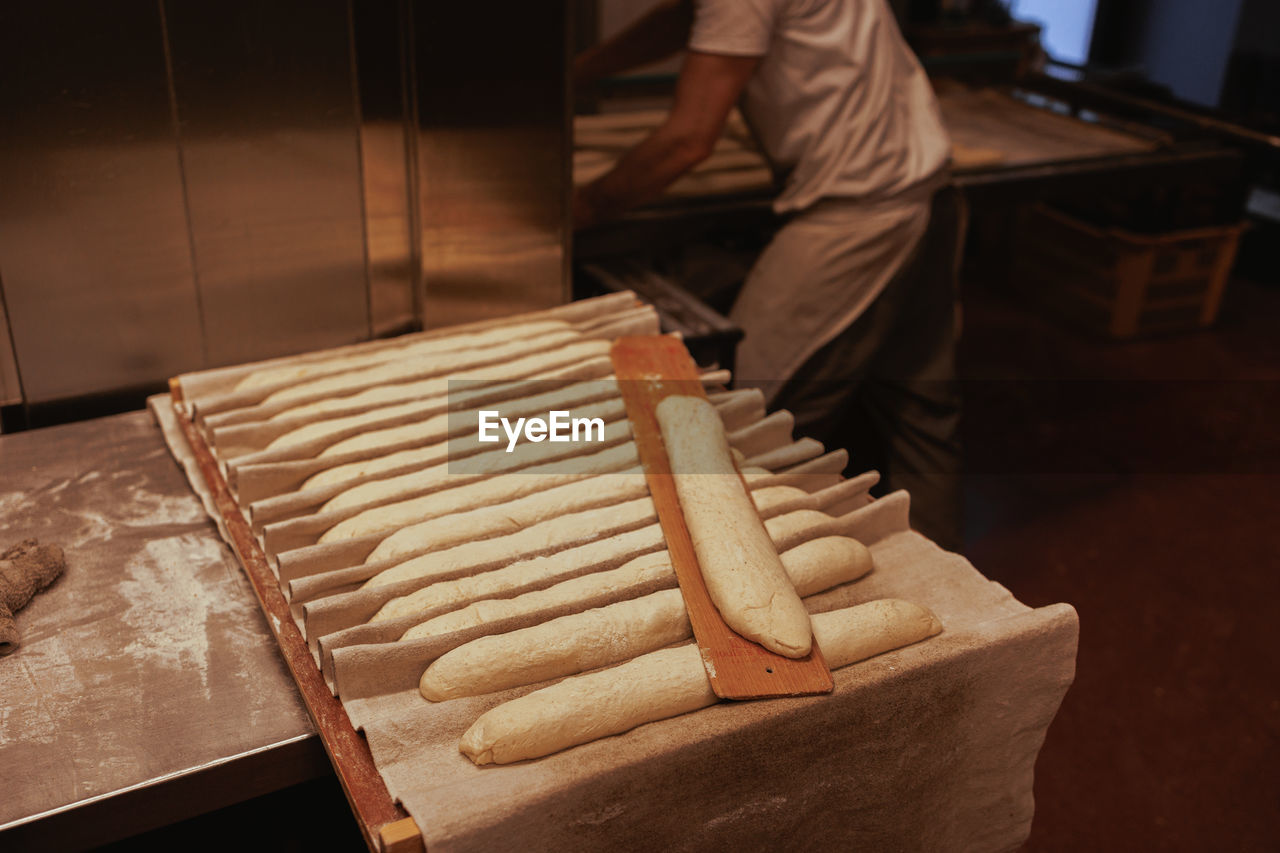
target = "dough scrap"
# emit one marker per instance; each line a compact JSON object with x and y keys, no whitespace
{"x":740,"y":565}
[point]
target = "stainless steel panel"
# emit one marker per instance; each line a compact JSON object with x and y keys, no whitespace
{"x":93,"y":242}
{"x":10,"y":384}
{"x":381,"y":41}
{"x":269,"y":130}
{"x":493,"y":157}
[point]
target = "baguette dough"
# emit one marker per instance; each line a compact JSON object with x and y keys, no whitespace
{"x":548,"y":536}
{"x":379,"y":438}
{"x":490,"y":492}
{"x":515,"y":376}
{"x":744,"y":577}
{"x":444,"y":343}
{"x":559,"y":647}
{"x":330,"y":426}
{"x":433,"y":432}
{"x":432,"y":363}
{"x":513,"y":516}
{"x":523,"y":575}
{"x":615,"y":632}
{"x":667,"y":683}
{"x":637,"y":573}
{"x":425,"y":395}
{"x":572,"y":562}
{"x":420,"y":456}
{"x":404,"y":486}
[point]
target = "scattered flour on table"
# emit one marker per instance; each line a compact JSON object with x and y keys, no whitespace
{"x":168,"y":606}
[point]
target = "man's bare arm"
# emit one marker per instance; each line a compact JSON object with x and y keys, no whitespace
{"x":659,"y":33}
{"x":708,"y":87}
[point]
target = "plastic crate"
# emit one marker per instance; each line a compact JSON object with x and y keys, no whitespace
{"x":1120,"y":283}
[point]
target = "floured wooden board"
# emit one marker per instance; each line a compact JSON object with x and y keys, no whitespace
{"x":650,"y":369}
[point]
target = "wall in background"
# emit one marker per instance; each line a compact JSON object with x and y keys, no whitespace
{"x":1186,"y":44}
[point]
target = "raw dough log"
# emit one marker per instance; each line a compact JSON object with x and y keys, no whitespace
{"x":421,"y":456}
{"x":436,"y":428}
{"x":615,"y":632}
{"x":447,"y":343}
{"x":637,"y":573}
{"x":511,"y":517}
{"x":608,"y":410}
{"x":495,"y":490}
{"x":330,"y":426}
{"x":547,"y":536}
{"x":559,"y":647}
{"x":665,"y":684}
{"x":534,"y":507}
{"x":541,"y":571}
{"x":743,"y":574}
{"x":430,"y":394}
{"x":419,"y":366}
{"x":511,"y":384}
{"x":404,"y":486}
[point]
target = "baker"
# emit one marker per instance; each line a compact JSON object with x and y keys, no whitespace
{"x":849,"y":312}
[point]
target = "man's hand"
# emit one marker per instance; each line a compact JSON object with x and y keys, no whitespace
{"x":708,"y":87}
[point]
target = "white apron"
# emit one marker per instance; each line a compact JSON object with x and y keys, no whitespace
{"x":818,"y":274}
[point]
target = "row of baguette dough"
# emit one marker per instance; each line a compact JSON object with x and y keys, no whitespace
{"x":771,"y":500}
{"x":667,"y":683}
{"x":617,"y":632}
{"x":724,"y":535}
{"x":523,"y":728}
{"x":629,"y":629}
{"x":298,"y":373}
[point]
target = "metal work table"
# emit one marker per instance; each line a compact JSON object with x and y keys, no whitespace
{"x":148,"y":688}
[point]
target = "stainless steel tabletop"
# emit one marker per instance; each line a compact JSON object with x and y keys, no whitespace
{"x":148,"y":687}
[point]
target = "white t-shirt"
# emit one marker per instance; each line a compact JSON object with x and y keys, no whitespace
{"x":839,"y":102}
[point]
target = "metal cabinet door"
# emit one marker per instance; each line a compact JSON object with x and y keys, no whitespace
{"x":93,"y":239}
{"x":269,"y":129}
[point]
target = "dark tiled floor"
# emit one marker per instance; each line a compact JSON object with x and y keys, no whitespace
{"x":1141,"y":483}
